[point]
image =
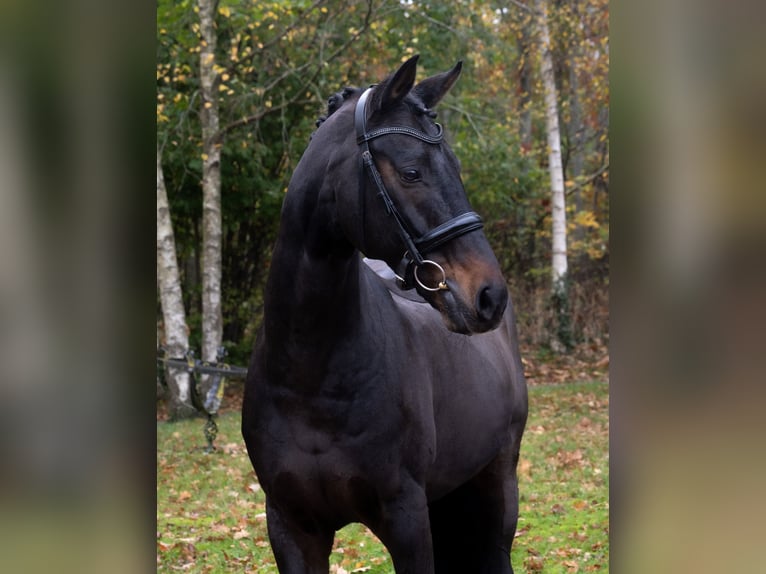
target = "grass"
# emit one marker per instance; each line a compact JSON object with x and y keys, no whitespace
{"x":210,"y":509}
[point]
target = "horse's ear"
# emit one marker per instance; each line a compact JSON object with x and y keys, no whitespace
{"x":433,"y":89}
{"x":395,"y":88}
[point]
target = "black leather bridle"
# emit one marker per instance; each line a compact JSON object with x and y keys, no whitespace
{"x":417,"y":245}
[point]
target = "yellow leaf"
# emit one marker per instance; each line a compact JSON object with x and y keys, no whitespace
{"x":204,"y":157}
{"x":586,"y":219}
{"x":208,"y":105}
{"x":224,"y":11}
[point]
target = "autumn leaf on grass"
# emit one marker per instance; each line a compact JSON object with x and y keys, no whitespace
{"x":184,"y":495}
{"x":533,"y":564}
{"x":524,"y":467}
{"x":243,"y":533}
{"x":567,"y":459}
{"x":579,"y":504}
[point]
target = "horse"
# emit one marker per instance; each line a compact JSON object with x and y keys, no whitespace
{"x":385,"y":385}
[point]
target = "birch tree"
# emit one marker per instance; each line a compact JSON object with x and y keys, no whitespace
{"x":558,"y":204}
{"x":212,"y":321}
{"x":176,"y":339}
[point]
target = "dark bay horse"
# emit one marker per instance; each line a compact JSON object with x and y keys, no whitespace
{"x":393,"y":398}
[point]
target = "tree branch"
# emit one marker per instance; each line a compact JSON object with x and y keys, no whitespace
{"x":290,"y":27}
{"x":588,"y":179}
{"x":304,"y":87}
{"x":523,"y":6}
{"x":468,"y":116}
{"x":257,"y":117}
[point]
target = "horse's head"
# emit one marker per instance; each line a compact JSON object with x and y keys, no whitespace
{"x":409,"y":207}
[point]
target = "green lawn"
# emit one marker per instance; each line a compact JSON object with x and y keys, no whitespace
{"x":210,"y":509}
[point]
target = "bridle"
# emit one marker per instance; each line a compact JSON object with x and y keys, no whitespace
{"x":417,"y":245}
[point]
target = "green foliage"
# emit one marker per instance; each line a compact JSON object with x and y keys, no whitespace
{"x":278,"y":61}
{"x":210,"y":508}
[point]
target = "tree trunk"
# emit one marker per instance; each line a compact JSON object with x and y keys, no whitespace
{"x":525,"y":96}
{"x":212,"y":321}
{"x":576,"y":138}
{"x":176,"y":333}
{"x":560,"y":298}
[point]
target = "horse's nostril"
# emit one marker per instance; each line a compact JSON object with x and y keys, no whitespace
{"x":491,"y":302}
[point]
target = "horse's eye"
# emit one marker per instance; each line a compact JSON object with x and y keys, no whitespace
{"x":410,"y":175}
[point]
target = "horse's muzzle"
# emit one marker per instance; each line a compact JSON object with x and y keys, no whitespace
{"x":473,"y":315}
{"x":491,"y":301}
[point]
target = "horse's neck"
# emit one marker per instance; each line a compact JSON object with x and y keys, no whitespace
{"x":312,"y":298}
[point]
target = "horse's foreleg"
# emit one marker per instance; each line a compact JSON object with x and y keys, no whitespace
{"x":406,"y":532}
{"x":474,"y":526}
{"x":298,"y":548}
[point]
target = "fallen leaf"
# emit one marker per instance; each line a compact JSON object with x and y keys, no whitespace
{"x":241,"y":534}
{"x":533,"y":564}
{"x":571,"y":566}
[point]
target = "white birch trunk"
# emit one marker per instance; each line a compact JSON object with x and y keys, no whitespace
{"x":558,"y":202}
{"x":174,"y":317}
{"x":212,"y":320}
{"x":558,"y":205}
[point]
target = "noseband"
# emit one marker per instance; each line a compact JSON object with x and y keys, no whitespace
{"x":417,"y":245}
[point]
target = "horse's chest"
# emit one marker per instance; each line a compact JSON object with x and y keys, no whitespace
{"x":335,"y":456}
{"x":347,"y":411}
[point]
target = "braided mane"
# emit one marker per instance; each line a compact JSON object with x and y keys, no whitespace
{"x":334,"y":103}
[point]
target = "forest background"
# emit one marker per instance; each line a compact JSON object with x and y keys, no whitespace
{"x":241,"y":84}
